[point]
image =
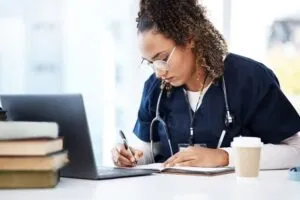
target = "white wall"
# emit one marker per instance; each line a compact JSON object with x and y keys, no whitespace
{"x":31,"y":43}
{"x":12,"y":55}
{"x":90,"y":70}
{"x":42,"y":20}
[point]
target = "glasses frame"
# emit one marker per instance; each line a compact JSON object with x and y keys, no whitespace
{"x":160,"y":65}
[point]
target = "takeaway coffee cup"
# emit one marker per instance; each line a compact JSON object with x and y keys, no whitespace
{"x":247,"y":152}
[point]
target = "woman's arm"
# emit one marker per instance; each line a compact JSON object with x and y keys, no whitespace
{"x":281,"y":156}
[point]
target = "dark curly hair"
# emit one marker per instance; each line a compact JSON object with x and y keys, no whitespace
{"x":180,"y":20}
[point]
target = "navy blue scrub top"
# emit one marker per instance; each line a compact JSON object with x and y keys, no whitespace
{"x":255,"y":99}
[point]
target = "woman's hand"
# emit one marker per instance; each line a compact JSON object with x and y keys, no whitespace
{"x":123,"y":158}
{"x":199,"y":157}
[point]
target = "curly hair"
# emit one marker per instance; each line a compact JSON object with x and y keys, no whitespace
{"x":180,"y":20}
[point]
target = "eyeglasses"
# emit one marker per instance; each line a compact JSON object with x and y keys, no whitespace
{"x":159,"y":66}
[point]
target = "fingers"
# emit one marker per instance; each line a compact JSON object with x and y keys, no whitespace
{"x":171,"y":161}
{"x":172,"y":158}
{"x":121,"y":149}
{"x":190,"y":163}
{"x":179,"y":157}
{"x":137,"y":153}
{"x":124,"y":162}
{"x":124,"y":157}
{"x":119,"y":159}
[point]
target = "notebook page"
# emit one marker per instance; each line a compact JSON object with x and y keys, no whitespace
{"x":200,"y":169}
{"x":154,"y":166}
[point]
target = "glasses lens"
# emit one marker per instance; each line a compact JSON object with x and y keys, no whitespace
{"x":146,"y":65}
{"x":160,"y":65}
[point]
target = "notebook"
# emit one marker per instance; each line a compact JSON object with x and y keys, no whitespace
{"x":159,"y":168}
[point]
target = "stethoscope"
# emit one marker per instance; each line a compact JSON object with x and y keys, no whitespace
{"x":229,"y":120}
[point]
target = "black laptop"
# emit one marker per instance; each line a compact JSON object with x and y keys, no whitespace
{"x":69,"y":112}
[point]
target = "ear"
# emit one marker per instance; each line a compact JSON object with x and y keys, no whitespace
{"x":190,"y":42}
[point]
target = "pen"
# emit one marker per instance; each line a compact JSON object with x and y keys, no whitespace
{"x":221,"y":139}
{"x":126,"y":144}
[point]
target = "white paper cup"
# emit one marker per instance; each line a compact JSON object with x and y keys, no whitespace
{"x":247,"y":152}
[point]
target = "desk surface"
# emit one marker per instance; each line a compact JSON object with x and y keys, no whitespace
{"x":271,"y":185}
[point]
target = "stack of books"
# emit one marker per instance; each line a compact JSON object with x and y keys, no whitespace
{"x":31,"y":154}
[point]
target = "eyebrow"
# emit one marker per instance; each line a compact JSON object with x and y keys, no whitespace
{"x":155,"y":56}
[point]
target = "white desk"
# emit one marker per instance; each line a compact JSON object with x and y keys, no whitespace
{"x":271,"y":185}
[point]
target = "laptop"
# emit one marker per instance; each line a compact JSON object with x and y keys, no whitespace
{"x":69,"y":112}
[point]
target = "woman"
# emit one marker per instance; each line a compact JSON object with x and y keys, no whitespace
{"x":190,"y":60}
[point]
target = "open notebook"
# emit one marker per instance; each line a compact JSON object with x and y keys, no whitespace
{"x":158,"y":167}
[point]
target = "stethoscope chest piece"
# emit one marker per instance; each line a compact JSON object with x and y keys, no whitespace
{"x":229,"y":119}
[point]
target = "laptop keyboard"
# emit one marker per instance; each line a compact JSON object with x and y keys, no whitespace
{"x":107,"y":172}
{"x":112,"y":170}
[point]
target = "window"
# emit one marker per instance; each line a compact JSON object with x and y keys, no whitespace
{"x":270,"y":32}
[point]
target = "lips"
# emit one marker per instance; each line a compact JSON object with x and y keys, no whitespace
{"x":169,"y":79}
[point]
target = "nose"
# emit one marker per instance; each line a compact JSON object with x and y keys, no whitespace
{"x":161,"y":73}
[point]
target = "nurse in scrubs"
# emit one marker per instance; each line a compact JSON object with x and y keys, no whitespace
{"x":204,"y":85}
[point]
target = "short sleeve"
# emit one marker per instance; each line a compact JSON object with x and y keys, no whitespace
{"x":146,"y":111}
{"x":274,"y":118}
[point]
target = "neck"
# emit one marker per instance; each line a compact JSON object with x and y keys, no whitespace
{"x":195,"y":83}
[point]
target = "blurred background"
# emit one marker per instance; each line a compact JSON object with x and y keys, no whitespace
{"x":90,"y":47}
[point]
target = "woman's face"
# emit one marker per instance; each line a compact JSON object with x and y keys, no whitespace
{"x":181,"y":64}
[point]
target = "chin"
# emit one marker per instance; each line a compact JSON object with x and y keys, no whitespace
{"x":176,"y":83}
